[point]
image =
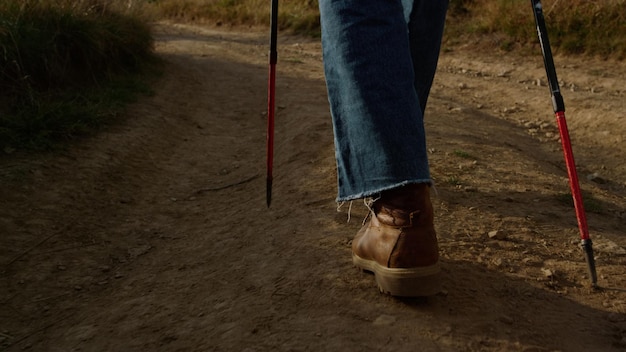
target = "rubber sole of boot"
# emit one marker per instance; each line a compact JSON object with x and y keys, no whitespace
{"x":403,"y":282}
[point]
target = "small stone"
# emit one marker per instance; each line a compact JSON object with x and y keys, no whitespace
{"x":545,"y":125}
{"x":596,"y":178}
{"x":530,"y":124}
{"x":498,"y":235}
{"x":529,"y":261}
{"x":504,"y":73}
{"x":547,"y":272}
{"x":510,"y":110}
{"x":385,"y":320}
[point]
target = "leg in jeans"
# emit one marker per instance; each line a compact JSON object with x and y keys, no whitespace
{"x":380,"y":58}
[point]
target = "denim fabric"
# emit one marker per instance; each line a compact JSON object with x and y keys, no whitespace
{"x":380,"y":58}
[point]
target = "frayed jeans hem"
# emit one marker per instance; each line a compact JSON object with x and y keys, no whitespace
{"x":371,"y":193}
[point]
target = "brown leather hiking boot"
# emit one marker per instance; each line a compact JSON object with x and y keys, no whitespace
{"x":399,"y":244}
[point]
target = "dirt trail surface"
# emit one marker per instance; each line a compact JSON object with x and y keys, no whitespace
{"x":154,"y":234}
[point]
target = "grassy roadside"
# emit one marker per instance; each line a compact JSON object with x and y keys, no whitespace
{"x":575,"y":26}
{"x":297,"y":16}
{"x":67,"y":67}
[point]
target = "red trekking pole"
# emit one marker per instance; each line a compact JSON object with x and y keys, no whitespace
{"x":559,"y":111}
{"x":271,"y":88}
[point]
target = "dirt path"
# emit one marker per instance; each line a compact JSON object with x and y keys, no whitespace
{"x":154,"y":235}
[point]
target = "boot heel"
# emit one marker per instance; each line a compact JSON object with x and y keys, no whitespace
{"x":403,"y":282}
{"x":419,"y":286}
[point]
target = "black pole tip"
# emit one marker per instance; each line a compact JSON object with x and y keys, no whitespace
{"x":587,"y":247}
{"x":268,"y":193}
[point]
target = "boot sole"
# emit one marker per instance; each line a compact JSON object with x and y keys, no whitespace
{"x":403,"y":282}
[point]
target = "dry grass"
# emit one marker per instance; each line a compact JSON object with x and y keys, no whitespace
{"x":574,"y":26}
{"x":298,"y":16}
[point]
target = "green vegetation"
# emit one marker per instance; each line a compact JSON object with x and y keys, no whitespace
{"x":453,"y":180}
{"x":463,"y":154}
{"x":66,"y":67}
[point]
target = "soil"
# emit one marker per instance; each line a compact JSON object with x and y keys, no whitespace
{"x":154,"y":234}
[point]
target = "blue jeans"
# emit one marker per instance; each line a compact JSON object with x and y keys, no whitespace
{"x":380,"y":58}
